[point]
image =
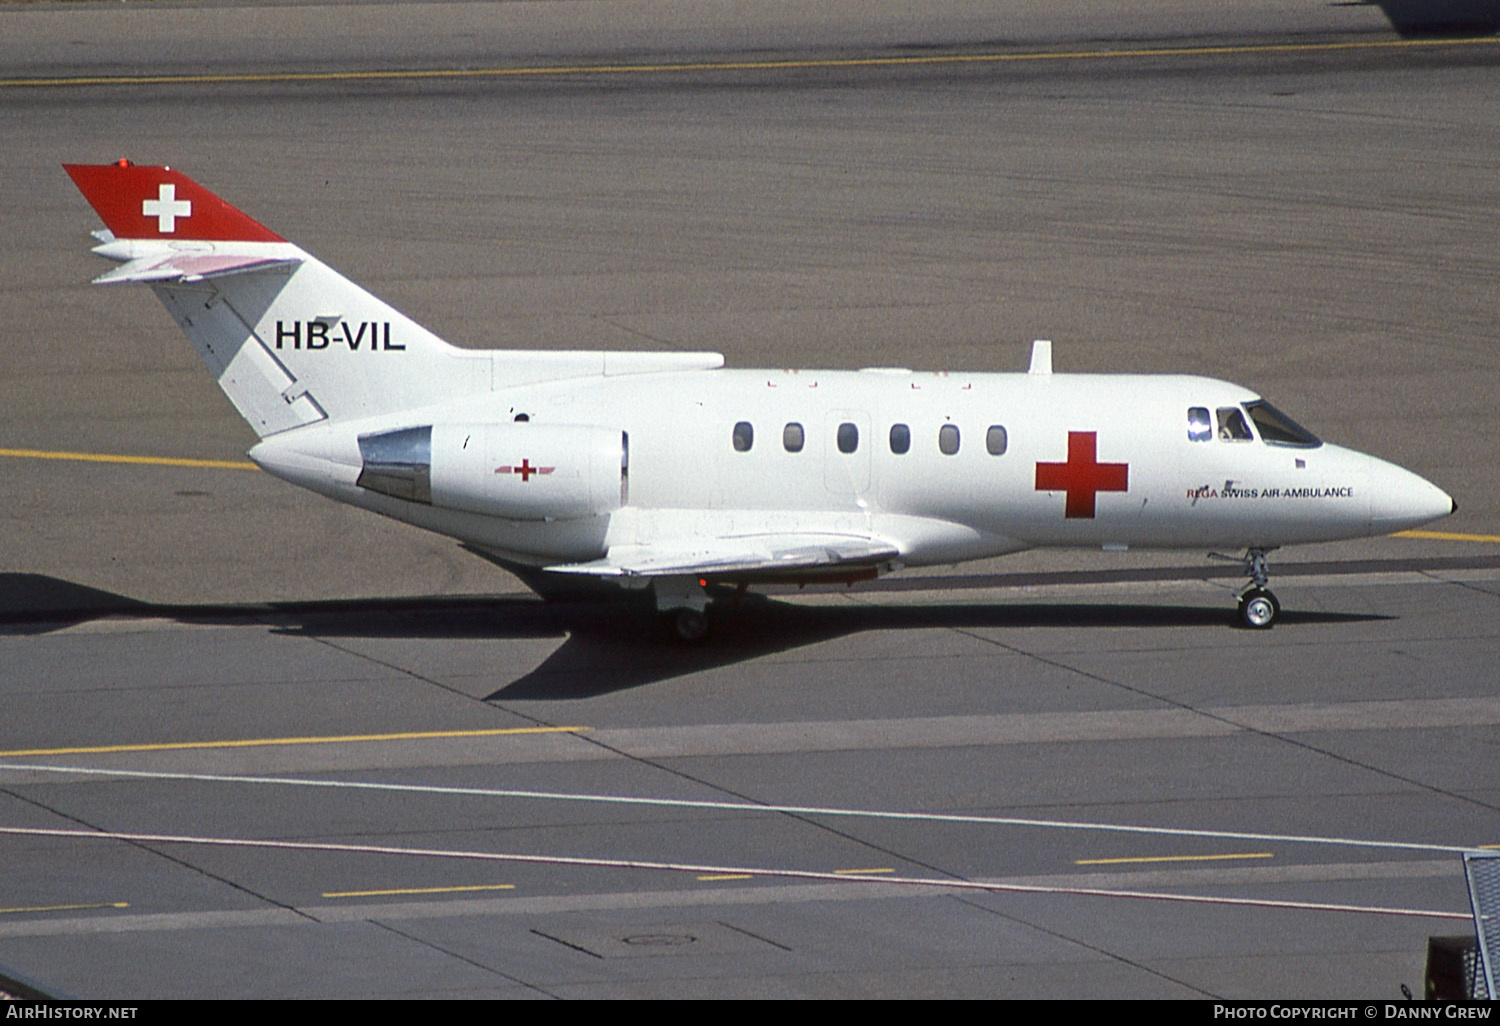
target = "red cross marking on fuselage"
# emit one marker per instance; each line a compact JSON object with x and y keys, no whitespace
{"x":1083,"y":476}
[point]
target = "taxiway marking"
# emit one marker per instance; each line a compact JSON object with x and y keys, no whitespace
{"x":790,"y":64}
{"x":65,"y":908}
{"x":1173,"y":858}
{"x":419,"y":890}
{"x":752,"y":807}
{"x":1448,"y":536}
{"x":937,"y":883}
{"x":105,"y":457}
{"x":266,"y":742}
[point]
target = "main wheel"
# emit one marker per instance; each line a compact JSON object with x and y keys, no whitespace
{"x":1259,"y":608}
{"x":690,"y":625}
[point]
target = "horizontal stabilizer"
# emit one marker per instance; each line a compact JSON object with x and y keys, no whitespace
{"x":743,"y":554}
{"x":191,"y":267}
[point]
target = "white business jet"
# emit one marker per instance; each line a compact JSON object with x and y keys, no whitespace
{"x":664,"y":470}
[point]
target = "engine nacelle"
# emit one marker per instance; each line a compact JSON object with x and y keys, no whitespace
{"x":518,"y":471}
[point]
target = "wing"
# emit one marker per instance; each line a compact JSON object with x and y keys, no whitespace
{"x":757,"y":555}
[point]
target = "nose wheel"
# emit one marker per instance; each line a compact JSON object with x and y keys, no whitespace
{"x":1258,"y":608}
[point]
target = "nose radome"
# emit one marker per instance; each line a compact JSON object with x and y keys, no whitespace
{"x":1400,"y":499}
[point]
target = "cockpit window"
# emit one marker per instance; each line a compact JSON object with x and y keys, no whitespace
{"x":1276,"y":428}
{"x":1200,"y":427}
{"x":1232,"y":426}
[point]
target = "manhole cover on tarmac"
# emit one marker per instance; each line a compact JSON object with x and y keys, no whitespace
{"x":636,"y":940}
{"x":659,"y":940}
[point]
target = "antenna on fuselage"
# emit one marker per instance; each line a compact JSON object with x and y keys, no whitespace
{"x":1041,"y":356}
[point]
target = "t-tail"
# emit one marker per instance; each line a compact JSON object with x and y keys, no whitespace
{"x":290,"y":340}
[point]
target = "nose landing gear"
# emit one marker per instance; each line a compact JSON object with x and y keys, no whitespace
{"x":1258,"y":608}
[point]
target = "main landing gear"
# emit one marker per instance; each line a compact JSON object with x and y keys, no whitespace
{"x":1258,"y":608}
{"x":683,"y":605}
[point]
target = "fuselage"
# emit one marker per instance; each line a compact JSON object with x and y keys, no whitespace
{"x":943,"y":466}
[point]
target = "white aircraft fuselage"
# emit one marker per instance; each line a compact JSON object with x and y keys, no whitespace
{"x":686,"y":479}
{"x":667,"y":470}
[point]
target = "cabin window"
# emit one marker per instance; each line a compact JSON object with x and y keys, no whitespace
{"x":793,"y":437}
{"x":1200,"y":428}
{"x":996,"y":440}
{"x":1276,"y":428}
{"x":900,"y":439}
{"x":848,"y":437}
{"x":1232,"y":426}
{"x":948,"y":439}
{"x":744,"y":436}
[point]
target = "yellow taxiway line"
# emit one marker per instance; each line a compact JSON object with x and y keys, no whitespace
{"x":1174,"y":858}
{"x":103,"y":457}
{"x":1448,"y":536}
{"x":174,"y":746}
{"x":418,"y":890}
{"x":65,"y":908}
{"x":790,"y":64}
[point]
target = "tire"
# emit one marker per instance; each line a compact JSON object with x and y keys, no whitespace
{"x":688,"y":625}
{"x":1259,"y":609}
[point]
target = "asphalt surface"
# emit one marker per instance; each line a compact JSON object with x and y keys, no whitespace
{"x":1287,"y":195}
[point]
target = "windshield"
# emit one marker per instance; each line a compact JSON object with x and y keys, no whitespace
{"x":1276,"y":428}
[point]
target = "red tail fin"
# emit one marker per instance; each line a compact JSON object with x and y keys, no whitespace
{"x":159,"y":203}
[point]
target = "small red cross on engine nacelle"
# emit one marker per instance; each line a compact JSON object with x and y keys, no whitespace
{"x":525,"y":469}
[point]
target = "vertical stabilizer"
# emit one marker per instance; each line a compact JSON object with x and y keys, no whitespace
{"x":290,"y":340}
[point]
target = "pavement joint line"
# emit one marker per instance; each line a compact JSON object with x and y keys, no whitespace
{"x":1172,"y":858}
{"x":272,"y":742}
{"x":935,"y":883}
{"x":789,"y":64}
{"x":751,"y":807}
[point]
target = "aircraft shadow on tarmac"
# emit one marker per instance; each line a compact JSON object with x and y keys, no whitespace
{"x":1416,"y":18}
{"x":608,"y":645}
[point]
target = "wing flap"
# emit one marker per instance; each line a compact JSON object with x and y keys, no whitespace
{"x":741,"y":554}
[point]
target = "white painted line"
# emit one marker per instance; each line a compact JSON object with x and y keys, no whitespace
{"x":721,"y":806}
{"x":697,"y":868}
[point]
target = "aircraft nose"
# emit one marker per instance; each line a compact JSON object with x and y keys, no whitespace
{"x":1400,"y":499}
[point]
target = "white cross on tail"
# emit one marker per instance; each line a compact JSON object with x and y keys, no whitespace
{"x":167,"y":208}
